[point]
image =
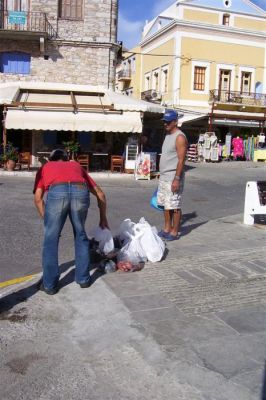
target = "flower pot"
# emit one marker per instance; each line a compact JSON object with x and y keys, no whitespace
{"x":10,"y":165}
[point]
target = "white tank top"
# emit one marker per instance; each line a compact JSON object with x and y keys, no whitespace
{"x":169,"y":157}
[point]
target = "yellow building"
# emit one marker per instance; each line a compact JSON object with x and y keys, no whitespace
{"x":206,"y":58}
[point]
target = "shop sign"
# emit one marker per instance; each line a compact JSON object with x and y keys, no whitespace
{"x":145,"y":165}
{"x":17,"y":17}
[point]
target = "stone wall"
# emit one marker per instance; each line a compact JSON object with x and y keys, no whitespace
{"x":84,"y":51}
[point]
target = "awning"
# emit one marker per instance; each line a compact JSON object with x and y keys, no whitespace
{"x":68,"y":121}
{"x":189,"y":118}
{"x":49,"y":93}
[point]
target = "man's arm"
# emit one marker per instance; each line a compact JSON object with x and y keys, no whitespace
{"x":101,"y":199}
{"x":181,"y":149}
{"x":38,"y":201}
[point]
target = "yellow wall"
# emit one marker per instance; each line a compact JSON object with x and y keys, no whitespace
{"x":151,"y":63}
{"x":250,"y":24}
{"x":218,"y":53}
{"x":201,"y":16}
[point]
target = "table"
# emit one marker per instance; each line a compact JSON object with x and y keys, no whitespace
{"x":100,"y":161}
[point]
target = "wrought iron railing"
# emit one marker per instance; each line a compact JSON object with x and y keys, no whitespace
{"x":124,"y":73}
{"x":26,"y":21}
{"x":245,"y":98}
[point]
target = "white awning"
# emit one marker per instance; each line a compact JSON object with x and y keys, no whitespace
{"x":189,"y":118}
{"x":68,"y":121}
{"x":47,"y":92}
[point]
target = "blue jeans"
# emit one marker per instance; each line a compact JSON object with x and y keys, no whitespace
{"x":73,"y":200}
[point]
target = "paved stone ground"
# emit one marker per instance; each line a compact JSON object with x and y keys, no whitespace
{"x":190,"y":327}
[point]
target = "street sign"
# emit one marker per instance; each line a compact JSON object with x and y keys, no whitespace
{"x":17,"y":18}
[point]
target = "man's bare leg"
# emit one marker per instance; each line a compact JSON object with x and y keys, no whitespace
{"x":176,"y":221}
{"x":167,"y":221}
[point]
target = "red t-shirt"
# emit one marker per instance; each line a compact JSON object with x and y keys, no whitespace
{"x":59,"y":172}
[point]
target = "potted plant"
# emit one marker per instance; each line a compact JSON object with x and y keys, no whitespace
{"x":71,"y":148}
{"x":9,"y":156}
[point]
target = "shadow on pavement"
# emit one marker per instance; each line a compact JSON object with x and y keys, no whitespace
{"x":12,"y":299}
{"x":185,"y":230}
{"x":22,"y":295}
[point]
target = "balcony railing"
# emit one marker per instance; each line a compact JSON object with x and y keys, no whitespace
{"x":245,"y":98}
{"x":124,"y":74}
{"x":26,"y":21}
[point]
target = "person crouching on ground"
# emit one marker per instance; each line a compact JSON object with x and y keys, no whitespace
{"x":171,"y":170}
{"x":68,"y":188}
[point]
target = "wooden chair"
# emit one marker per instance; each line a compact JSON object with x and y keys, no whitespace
{"x":84,"y":160}
{"x":24,"y":159}
{"x":117,"y":163}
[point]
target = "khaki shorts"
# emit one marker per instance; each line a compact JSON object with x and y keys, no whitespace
{"x":168,"y":199}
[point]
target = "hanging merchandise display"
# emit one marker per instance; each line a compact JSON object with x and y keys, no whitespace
{"x":192,"y":153}
{"x":261,"y":140}
{"x":208,"y":147}
{"x":238,"y":148}
{"x":227,"y":152}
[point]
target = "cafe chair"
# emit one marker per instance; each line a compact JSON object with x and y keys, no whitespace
{"x":84,"y":160}
{"x":24,"y":159}
{"x":117,"y":163}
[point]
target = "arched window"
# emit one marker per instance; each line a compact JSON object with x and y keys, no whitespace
{"x":15,"y":63}
{"x":71,"y":9}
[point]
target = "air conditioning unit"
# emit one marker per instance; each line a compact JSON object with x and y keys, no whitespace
{"x":156,"y":95}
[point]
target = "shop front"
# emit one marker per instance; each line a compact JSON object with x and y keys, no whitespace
{"x":40,"y":117}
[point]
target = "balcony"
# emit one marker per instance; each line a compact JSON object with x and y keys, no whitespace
{"x":25,"y":25}
{"x":124,"y":75}
{"x":243,"y":99}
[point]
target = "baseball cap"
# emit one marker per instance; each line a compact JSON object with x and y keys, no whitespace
{"x":170,"y":115}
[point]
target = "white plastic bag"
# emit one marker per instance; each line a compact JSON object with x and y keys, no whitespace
{"x":151,"y":244}
{"x":132,"y":251}
{"x":105,"y":239}
{"x":126,"y":230}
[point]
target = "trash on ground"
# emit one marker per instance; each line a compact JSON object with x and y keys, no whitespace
{"x":135,"y":244}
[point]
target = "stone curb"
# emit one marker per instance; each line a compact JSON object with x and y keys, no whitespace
{"x":14,"y":288}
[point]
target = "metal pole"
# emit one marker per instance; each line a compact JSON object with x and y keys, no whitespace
{"x":4,"y":128}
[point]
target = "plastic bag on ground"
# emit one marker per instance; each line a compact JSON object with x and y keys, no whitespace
{"x":151,"y":244}
{"x":143,"y":243}
{"x":132,"y":251}
{"x":105,"y":239}
{"x":126,"y":230}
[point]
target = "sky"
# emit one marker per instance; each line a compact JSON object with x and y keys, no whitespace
{"x":134,"y":13}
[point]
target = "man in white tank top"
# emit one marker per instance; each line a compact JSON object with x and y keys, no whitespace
{"x":171,"y":181}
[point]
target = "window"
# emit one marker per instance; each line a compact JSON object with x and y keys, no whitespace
{"x":199,"y":78}
{"x":226,"y":19}
{"x":245,"y":82}
{"x":71,"y":9}
{"x":156,"y":81}
{"x":147,"y":82}
{"x":16,"y":5}
{"x":165,"y":80}
{"x":15,"y":63}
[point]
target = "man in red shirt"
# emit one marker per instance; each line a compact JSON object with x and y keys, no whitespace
{"x":68,"y":189}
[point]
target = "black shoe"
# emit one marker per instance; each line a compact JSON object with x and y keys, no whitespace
{"x":48,"y":291}
{"x":85,"y":285}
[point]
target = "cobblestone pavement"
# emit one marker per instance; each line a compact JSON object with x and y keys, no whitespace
{"x":190,"y":327}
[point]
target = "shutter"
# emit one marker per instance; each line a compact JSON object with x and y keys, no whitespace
{"x":15,"y":63}
{"x":79,"y":10}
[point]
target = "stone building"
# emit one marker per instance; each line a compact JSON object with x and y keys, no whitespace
{"x":71,"y":41}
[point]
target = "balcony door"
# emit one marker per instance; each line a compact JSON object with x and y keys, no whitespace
{"x":224,"y":84}
{"x":17,"y":5}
